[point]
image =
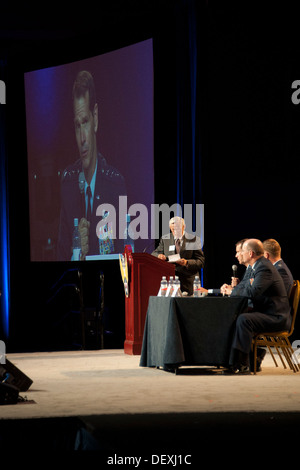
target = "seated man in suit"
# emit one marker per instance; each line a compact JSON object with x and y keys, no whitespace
{"x":234,"y":280}
{"x":271,"y":310}
{"x":272,"y":251}
{"x":239,"y":256}
{"x":188,"y":247}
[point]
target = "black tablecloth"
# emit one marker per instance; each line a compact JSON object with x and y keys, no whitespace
{"x":189,"y":331}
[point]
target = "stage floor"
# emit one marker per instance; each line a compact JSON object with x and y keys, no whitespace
{"x":103,"y":398}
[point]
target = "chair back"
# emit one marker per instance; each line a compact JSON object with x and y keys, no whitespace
{"x":294,"y":302}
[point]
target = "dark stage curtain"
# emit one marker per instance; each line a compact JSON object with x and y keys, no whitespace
{"x":180,"y":102}
{"x":4,"y":222}
{"x":190,"y":101}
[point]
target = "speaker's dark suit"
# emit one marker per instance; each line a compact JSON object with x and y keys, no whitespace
{"x":271,"y":309}
{"x":286,"y":275}
{"x":246,"y":275}
{"x":190,"y":249}
{"x":108,"y":187}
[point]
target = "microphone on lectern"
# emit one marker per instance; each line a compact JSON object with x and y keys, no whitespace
{"x":148,"y":246}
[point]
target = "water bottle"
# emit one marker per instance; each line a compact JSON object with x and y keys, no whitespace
{"x":163,"y":287}
{"x":128,"y":234}
{"x":196,"y":287}
{"x":176,"y":288}
{"x":76,"y":242}
{"x":170,"y":287}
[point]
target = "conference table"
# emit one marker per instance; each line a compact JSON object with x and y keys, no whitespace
{"x":189,"y":331}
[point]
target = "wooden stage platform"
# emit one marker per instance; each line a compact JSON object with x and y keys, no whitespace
{"x":103,"y":400}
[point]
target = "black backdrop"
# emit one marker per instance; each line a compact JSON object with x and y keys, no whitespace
{"x":236,"y":151}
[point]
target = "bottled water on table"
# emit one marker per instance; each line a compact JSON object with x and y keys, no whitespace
{"x":170,"y":287}
{"x":163,"y":287}
{"x":196,"y":287}
{"x":176,"y":288}
{"x":76,"y":242}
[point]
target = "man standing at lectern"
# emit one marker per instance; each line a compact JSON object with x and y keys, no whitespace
{"x":188,"y":248}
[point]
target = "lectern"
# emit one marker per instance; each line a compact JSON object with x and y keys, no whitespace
{"x":144,"y":275}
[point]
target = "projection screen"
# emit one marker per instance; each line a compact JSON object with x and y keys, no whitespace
{"x":76,"y":140}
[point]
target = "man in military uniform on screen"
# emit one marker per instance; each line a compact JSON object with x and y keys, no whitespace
{"x":89,"y":182}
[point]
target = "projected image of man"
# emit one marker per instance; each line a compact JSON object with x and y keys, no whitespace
{"x":88,"y":182}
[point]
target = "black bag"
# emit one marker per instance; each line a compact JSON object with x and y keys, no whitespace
{"x":9,"y":394}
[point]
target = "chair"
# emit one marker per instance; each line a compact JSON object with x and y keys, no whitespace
{"x":280,"y":339}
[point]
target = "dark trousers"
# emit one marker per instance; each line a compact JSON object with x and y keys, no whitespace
{"x":249,"y":324}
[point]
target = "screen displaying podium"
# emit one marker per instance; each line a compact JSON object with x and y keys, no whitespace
{"x":144,"y":275}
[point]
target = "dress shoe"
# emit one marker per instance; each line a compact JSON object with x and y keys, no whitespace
{"x":244,"y":370}
{"x":238,"y":370}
